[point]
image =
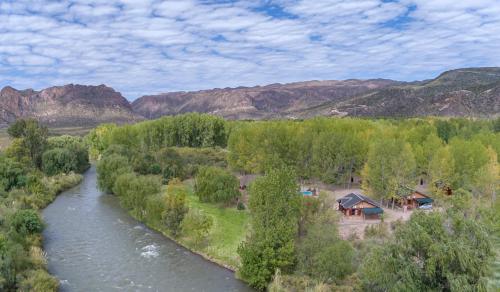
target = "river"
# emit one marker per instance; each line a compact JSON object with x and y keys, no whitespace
{"x":92,"y":244}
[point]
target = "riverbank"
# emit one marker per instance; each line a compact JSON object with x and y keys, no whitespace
{"x":25,"y":265}
{"x":229,"y":229}
{"x":93,"y":244}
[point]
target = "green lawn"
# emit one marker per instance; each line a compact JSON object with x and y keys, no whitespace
{"x":228,"y":231}
{"x":495,"y":278}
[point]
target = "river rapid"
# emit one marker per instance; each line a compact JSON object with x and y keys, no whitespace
{"x":92,"y":244}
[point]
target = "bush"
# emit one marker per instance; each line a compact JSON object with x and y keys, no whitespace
{"x":155,"y":208}
{"x":76,"y":146}
{"x":322,"y":254}
{"x":215,"y":185}
{"x":240,"y":206}
{"x":39,"y":281}
{"x":134,"y":190}
{"x":108,"y":170}
{"x":26,"y":222}
{"x":196,"y":225}
{"x":12,"y":174}
{"x":175,"y":206}
{"x":58,"y":160}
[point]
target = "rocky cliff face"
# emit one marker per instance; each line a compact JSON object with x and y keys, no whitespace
{"x":462,"y":92}
{"x":69,"y":105}
{"x":275,"y":100}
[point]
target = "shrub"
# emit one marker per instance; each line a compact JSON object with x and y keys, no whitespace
{"x":240,"y":206}
{"x":39,"y":281}
{"x":58,"y":160}
{"x":134,"y":191}
{"x":12,"y":174}
{"x":175,"y":206}
{"x":108,"y":170}
{"x":196,"y":225}
{"x":215,"y":184}
{"x":27,"y":222}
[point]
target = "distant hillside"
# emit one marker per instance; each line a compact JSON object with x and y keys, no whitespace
{"x":271,"y":101}
{"x":69,"y":105}
{"x":463,"y":92}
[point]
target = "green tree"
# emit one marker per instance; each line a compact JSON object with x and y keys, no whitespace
{"x":322,"y":254}
{"x":175,"y":206}
{"x":58,"y":160}
{"x":108,"y":170}
{"x":442,"y":170}
{"x":215,"y":185}
{"x":390,"y":165}
{"x":134,"y":191}
{"x":275,"y":209}
{"x":431,"y":253}
{"x":34,"y":138}
{"x":196,"y":226}
{"x":488,"y":177}
{"x":76,"y":146}
{"x":469,"y":158}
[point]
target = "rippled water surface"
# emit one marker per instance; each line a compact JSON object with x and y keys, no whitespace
{"x":93,"y":245}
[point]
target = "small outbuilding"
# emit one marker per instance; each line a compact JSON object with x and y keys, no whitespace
{"x":411,"y":199}
{"x":358,"y":205}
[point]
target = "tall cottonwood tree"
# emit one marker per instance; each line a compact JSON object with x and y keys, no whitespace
{"x":390,"y":165}
{"x":275,"y":208}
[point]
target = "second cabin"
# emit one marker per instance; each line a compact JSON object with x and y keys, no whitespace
{"x":411,"y":199}
{"x":359,"y":206}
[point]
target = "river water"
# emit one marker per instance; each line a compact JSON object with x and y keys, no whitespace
{"x":92,"y":244}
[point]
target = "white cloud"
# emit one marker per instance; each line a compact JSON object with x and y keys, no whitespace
{"x":143,"y":47}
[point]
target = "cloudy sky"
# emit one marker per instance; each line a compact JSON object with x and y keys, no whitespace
{"x":146,"y":46}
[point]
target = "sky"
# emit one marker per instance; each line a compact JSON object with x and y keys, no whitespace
{"x":141,"y":47}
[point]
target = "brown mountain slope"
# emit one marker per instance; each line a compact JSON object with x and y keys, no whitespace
{"x":461,"y":92}
{"x":275,"y":100}
{"x":69,"y":105}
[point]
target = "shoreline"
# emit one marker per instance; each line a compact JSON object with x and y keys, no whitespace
{"x":205,"y":256}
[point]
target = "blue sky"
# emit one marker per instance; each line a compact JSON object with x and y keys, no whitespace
{"x":148,"y":46}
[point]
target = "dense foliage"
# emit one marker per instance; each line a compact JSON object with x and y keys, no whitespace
{"x":216,"y":185}
{"x":175,"y":206}
{"x":24,"y":189}
{"x":296,"y":239}
{"x":431,"y":253}
{"x":275,"y":207}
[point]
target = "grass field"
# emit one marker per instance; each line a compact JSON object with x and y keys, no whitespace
{"x":495,"y":278}
{"x":228,"y":231}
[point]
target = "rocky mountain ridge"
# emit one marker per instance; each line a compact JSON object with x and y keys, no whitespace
{"x":462,"y":92}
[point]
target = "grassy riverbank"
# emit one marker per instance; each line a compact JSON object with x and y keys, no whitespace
{"x":495,"y":277}
{"x":229,"y":229}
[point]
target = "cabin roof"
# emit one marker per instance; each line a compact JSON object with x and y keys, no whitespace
{"x":352,"y":199}
{"x":405,"y":191}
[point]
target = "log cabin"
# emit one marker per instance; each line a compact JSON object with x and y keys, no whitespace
{"x":411,"y":199}
{"x":359,"y":206}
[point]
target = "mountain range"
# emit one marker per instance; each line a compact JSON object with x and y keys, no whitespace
{"x":471,"y":92}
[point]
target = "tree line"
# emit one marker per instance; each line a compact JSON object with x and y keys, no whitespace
{"x":293,"y":242}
